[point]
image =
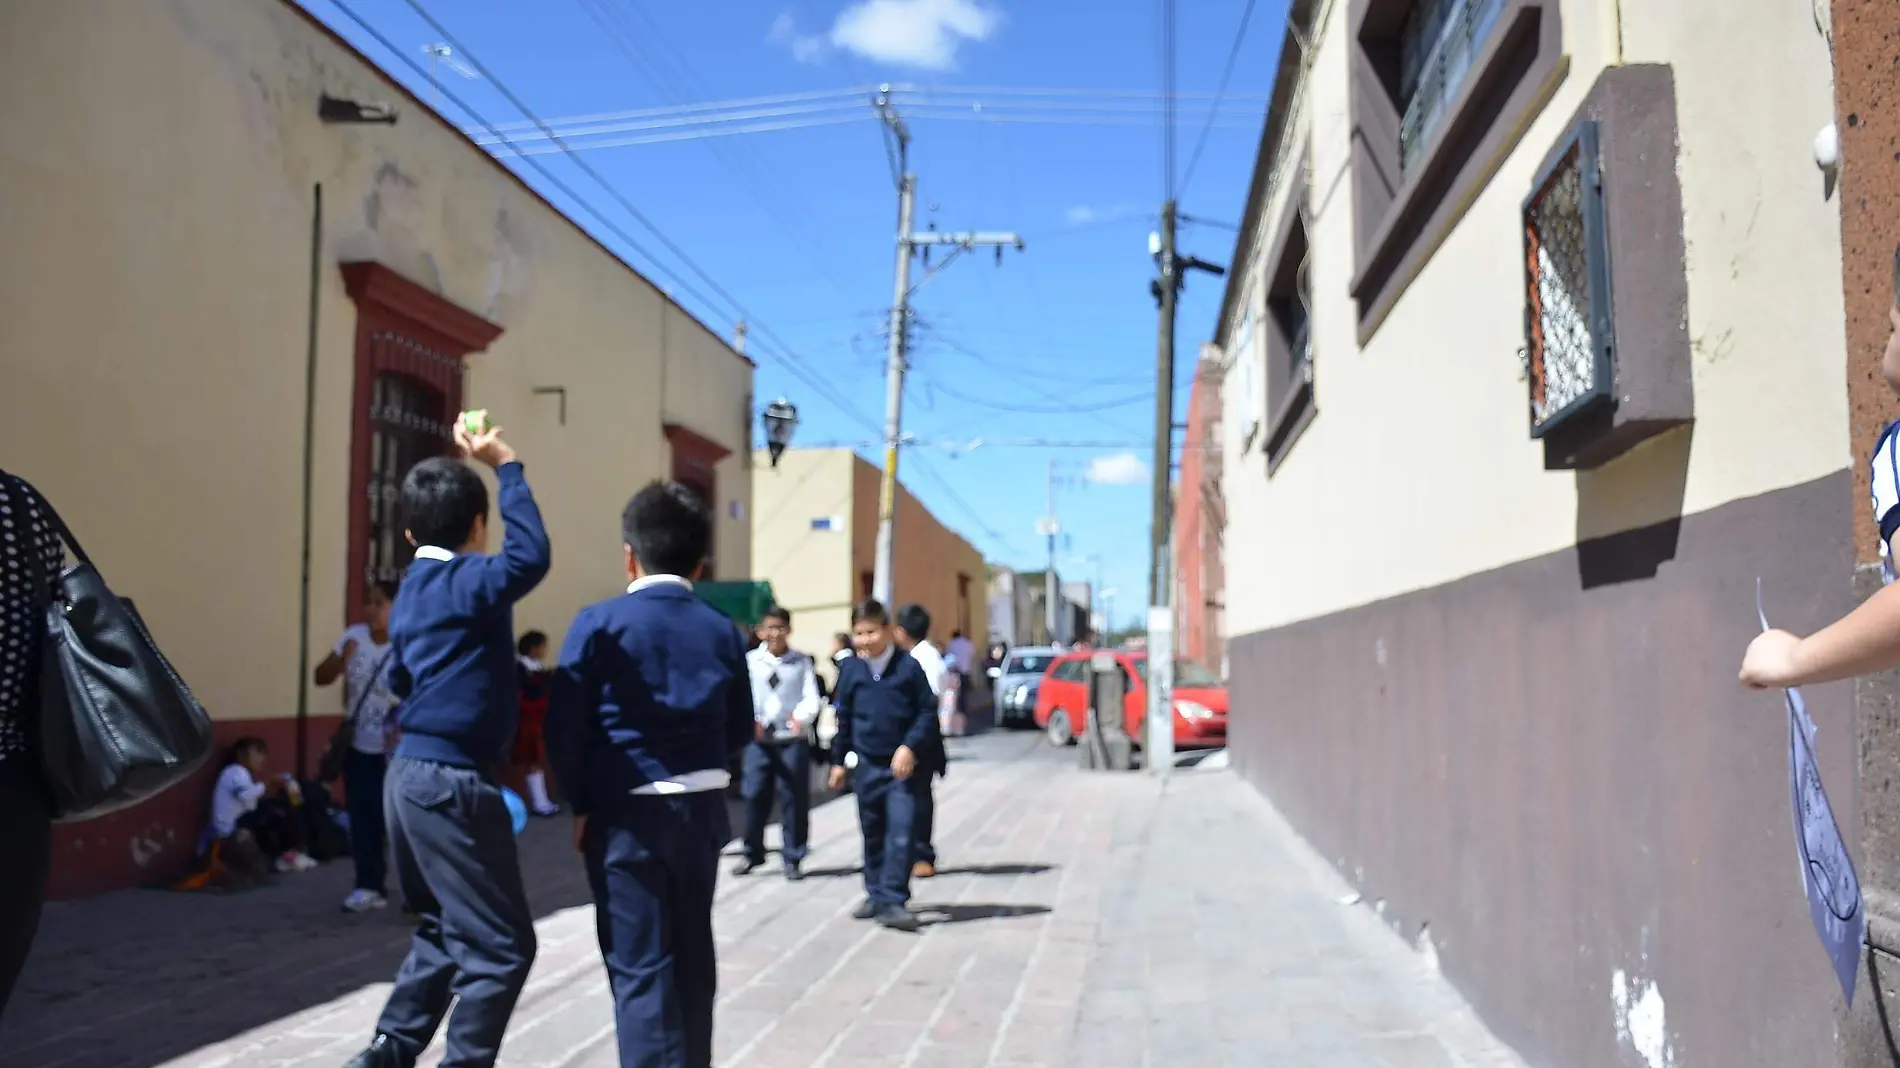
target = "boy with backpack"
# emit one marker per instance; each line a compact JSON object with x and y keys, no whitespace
{"x":1868,"y":638}
{"x":887,"y":729}
{"x":452,"y":666}
{"x":651,"y":701}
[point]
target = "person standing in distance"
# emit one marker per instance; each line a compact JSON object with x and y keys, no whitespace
{"x":650,"y":703}
{"x":913,"y":636}
{"x":785,"y":703}
{"x":452,"y":666}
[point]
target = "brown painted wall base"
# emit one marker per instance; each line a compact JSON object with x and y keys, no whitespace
{"x":1552,"y":767}
{"x":154,"y":842}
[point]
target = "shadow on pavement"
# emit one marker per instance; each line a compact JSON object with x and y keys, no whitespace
{"x":996,"y":869}
{"x":938,"y":915}
{"x":137,"y":978}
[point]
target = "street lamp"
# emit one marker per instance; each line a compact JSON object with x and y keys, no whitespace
{"x":780,"y":418}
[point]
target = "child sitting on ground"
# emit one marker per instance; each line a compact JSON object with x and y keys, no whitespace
{"x":247,"y":837}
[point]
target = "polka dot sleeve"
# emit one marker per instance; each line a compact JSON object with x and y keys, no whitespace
{"x":30,"y":559}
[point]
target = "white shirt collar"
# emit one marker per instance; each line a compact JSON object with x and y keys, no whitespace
{"x":649,"y":581}
{"x":433,"y":552}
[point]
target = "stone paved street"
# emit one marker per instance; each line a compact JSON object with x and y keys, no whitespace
{"x":1078,"y":922}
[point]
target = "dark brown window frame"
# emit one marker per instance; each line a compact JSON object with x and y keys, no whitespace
{"x":1399,"y":221}
{"x":1290,"y":404}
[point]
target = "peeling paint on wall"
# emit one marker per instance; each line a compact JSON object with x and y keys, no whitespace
{"x":1641,"y":1022}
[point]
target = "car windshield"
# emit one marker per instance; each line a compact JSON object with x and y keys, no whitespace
{"x":1186,"y":674}
{"x":1028,"y":664}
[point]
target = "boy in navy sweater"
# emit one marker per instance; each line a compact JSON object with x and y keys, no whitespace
{"x":887,"y":726}
{"x":651,"y":702}
{"x":452,"y":663}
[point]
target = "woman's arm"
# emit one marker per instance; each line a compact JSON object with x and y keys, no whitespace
{"x":1863,"y":641}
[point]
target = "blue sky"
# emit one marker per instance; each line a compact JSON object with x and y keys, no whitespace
{"x":796,"y":224}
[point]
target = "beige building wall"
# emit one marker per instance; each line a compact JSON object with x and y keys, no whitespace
{"x":1418,"y":469}
{"x":157,"y":201}
{"x":810,"y":570}
{"x":820,"y":575}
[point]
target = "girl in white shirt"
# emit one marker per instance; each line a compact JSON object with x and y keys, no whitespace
{"x":361,"y":659}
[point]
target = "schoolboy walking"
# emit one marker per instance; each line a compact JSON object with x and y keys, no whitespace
{"x":650,"y":703}
{"x":913,"y":636}
{"x":785,"y":704}
{"x":452,"y":665}
{"x":1867,"y":639}
{"x":887,"y":724}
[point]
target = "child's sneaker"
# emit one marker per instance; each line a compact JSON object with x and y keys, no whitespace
{"x":364,"y":901}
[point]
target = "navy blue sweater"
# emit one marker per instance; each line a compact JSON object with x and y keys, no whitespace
{"x":651,"y":686}
{"x":452,"y":640}
{"x":876,"y":716}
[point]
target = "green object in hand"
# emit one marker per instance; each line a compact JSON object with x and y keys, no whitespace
{"x":476,"y":421}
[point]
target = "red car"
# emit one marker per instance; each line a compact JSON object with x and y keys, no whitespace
{"x":1200,"y":700}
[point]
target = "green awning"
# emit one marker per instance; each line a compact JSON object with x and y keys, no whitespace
{"x":744,"y":602}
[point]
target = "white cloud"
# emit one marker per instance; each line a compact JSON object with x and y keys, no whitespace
{"x":805,"y":47}
{"x":1088,"y":215}
{"x":1121,"y":469}
{"x":913,"y":33}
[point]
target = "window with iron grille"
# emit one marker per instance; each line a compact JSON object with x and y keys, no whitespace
{"x":410,"y":345}
{"x":409,"y":422}
{"x":1436,"y":47}
{"x":1569,"y":324}
{"x":1289,"y":336}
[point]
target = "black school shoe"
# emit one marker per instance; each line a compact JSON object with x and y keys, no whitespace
{"x":867,"y":909}
{"x":382,"y":1053}
{"x":794,"y":873}
{"x":898,"y":918}
{"x":747,"y":866}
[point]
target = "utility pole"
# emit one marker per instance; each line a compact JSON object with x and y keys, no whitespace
{"x":1052,"y":590}
{"x":1166,"y":290}
{"x":1160,"y":747}
{"x":908,"y":244}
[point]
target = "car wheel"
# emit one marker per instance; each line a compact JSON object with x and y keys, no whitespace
{"x":1059,"y":732}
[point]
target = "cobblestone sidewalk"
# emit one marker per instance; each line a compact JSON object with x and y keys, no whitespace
{"x":1081,"y":919}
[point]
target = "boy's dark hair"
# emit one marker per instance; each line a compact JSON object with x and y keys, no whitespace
{"x":871,"y":610}
{"x":955,"y":634}
{"x":245,"y":746}
{"x":529,"y":641}
{"x":441,"y":499}
{"x":666,"y":526}
{"x":388,"y":587}
{"x":915,"y":619}
{"x":778,"y":612}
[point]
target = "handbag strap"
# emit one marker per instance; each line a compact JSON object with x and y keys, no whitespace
{"x":51,"y":515}
{"x":357,"y":708}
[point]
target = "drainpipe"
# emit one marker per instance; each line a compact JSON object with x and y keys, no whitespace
{"x":309,"y":455}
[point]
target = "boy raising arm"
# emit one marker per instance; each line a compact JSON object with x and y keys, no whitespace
{"x":1868,"y":638}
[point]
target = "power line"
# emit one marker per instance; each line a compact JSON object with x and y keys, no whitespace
{"x":1226,"y":74}
{"x":962,"y":505}
{"x":787,"y":357}
{"x":1029,"y":409}
{"x":604,"y":16}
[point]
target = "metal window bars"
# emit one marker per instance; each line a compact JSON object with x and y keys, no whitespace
{"x":408,"y":423}
{"x":1436,"y":47}
{"x":1568,"y":322}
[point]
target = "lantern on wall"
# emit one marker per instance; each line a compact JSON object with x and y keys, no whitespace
{"x":781,"y":419}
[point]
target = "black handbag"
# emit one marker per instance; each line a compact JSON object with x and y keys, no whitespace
{"x":117,"y":725}
{"x":343,"y":739}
